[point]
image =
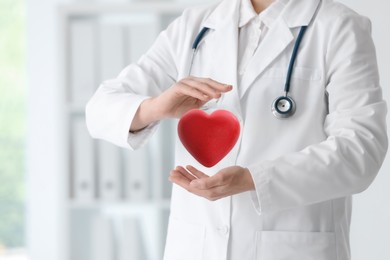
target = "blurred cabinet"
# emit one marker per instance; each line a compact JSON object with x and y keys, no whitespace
{"x":117,"y":200}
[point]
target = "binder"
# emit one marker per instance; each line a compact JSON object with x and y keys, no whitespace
{"x":167,"y":143}
{"x":137,"y":171}
{"x":161,"y":152}
{"x":109,"y":172}
{"x":140,"y":37}
{"x":132,"y":241}
{"x":112,"y":50}
{"x":83,"y":167}
{"x":165,"y":20}
{"x":82,"y":66}
{"x":157,"y":174}
{"x":102,"y":239}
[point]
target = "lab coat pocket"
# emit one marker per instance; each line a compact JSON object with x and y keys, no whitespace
{"x":276,"y":245}
{"x":301,"y":73}
{"x":184,"y":240}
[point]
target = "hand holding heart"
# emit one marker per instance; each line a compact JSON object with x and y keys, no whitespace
{"x":227,"y":182}
{"x":186,"y":94}
{"x":189,"y":93}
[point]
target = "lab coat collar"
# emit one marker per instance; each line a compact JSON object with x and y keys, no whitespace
{"x":268,"y":16}
{"x":223,"y":39}
{"x":225,"y":12}
{"x":296,"y":13}
{"x":247,"y":13}
{"x":224,"y":20}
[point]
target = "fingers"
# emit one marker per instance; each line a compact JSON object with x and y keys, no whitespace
{"x":194,"y":178}
{"x":208,"y":87}
{"x":227,"y":182}
{"x":202,"y":88}
{"x":207,"y":183}
{"x":179,"y":179}
{"x":215,"y":84}
{"x":198,"y":174}
{"x":190,"y":91}
{"x":185,"y":173}
{"x":204,"y":182}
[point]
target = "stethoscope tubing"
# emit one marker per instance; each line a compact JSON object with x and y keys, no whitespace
{"x":195,"y":45}
{"x":293,"y":59}
{"x":278,"y":113}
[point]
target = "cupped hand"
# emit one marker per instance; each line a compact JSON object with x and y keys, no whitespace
{"x":228,"y":181}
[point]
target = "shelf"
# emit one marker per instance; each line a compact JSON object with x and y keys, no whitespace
{"x":121,"y":206}
{"x":160,"y":7}
{"x":105,"y":190}
{"x":76,"y":109}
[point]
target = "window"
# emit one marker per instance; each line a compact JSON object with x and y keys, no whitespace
{"x":12,"y":129}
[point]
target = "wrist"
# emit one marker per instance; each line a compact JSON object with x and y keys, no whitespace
{"x":155,"y":111}
{"x":145,"y":115}
{"x":148,"y":110}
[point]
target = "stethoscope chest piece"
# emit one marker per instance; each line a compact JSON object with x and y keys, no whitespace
{"x":283,"y":107}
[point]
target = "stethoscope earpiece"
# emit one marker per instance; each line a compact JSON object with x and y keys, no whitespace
{"x":283,"y":107}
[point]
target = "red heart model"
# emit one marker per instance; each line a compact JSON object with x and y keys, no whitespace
{"x":208,"y":138}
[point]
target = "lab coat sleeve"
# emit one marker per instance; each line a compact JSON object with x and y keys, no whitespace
{"x":110,"y":111}
{"x":348,"y":160}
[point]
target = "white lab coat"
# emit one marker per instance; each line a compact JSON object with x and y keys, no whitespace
{"x":305,"y":168}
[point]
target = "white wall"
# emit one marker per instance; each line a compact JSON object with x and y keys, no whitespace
{"x":371,"y":212}
{"x":45,"y":203}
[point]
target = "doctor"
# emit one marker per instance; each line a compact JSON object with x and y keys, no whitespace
{"x":285,"y":190}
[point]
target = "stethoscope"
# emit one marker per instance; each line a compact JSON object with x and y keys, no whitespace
{"x":283,"y":106}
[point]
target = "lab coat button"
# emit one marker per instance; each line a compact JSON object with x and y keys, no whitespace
{"x":223,"y":230}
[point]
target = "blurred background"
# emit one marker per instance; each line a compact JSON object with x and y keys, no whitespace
{"x":64,"y":196}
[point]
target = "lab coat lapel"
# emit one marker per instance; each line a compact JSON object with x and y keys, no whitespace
{"x":296,"y":13}
{"x":224,"y":43}
{"x":275,"y":42}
